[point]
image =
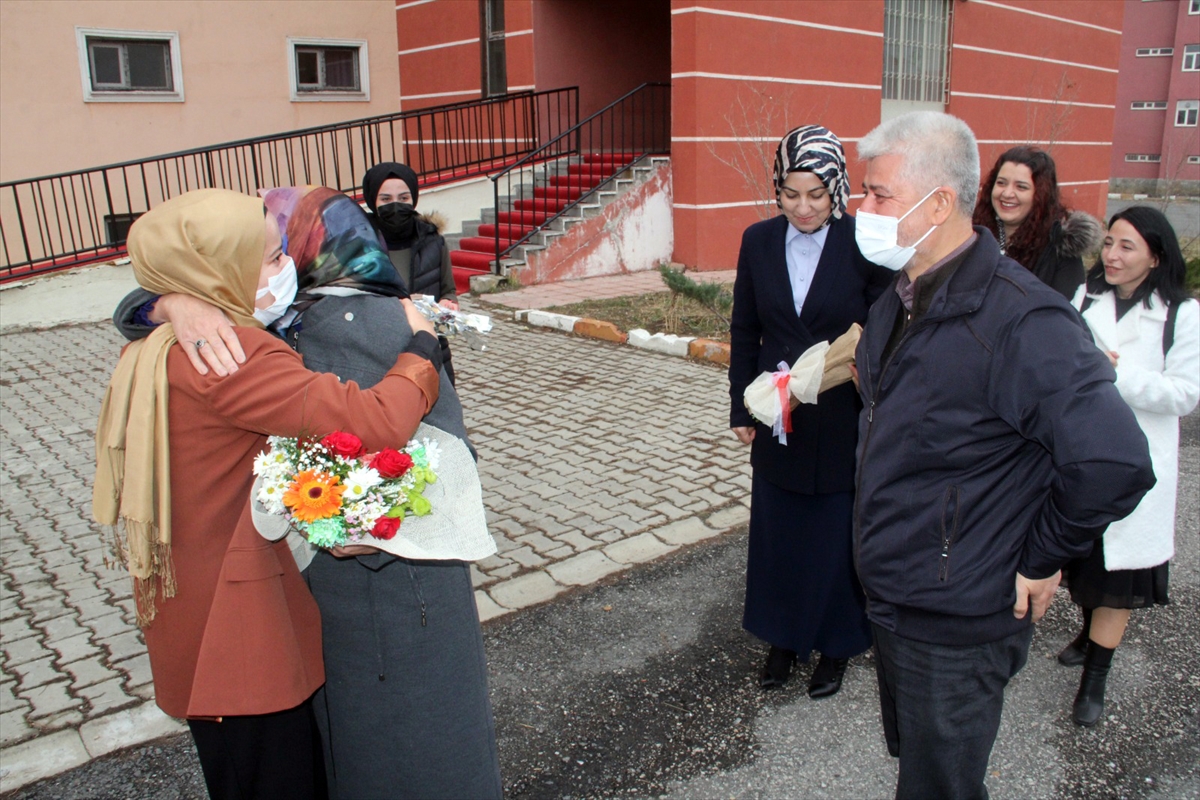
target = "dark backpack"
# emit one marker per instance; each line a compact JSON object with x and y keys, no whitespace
{"x":1168,"y":326}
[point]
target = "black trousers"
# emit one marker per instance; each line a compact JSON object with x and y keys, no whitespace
{"x":941,"y":709}
{"x":262,"y":757}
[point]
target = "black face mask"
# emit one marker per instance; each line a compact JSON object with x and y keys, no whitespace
{"x":398,"y":221}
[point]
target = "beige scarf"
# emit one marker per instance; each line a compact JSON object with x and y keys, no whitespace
{"x":209,"y":244}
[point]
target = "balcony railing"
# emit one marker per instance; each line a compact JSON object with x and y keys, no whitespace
{"x":75,"y":218}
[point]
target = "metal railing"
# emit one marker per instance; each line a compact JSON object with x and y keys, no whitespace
{"x":80,"y":217}
{"x":578,"y":161}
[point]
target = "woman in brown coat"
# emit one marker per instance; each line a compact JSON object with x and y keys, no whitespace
{"x":233,"y":634}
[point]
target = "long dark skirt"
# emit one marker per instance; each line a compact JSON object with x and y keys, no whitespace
{"x":1092,"y":586}
{"x":801,"y":590}
{"x":404,"y":712}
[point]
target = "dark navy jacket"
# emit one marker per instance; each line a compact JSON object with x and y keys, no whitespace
{"x":819,"y":456}
{"x":992,"y":442}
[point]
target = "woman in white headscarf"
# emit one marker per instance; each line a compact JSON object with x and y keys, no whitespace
{"x":801,"y":280}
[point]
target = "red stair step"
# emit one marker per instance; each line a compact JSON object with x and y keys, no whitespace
{"x":558,"y":192}
{"x":598,"y":172}
{"x":472,"y":260}
{"x":576,"y":180}
{"x":608,"y":156}
{"x":462,"y":277}
{"x":507,"y":231}
{"x":546,"y":207}
{"x":481,"y":244}
{"x":522,"y":217}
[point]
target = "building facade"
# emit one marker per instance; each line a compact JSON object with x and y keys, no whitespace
{"x":85,"y":83}
{"x":745,"y":71}
{"x":1156,"y":138}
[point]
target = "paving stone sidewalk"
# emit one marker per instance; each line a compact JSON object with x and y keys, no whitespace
{"x":593,"y":457}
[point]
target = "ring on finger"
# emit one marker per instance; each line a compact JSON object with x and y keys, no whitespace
{"x":200,"y":343}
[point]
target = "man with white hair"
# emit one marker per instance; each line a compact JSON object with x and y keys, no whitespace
{"x":993,"y":448}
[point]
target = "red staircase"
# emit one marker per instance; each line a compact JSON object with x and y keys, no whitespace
{"x":475,"y":254}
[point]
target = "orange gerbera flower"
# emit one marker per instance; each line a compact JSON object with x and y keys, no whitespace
{"x":314,"y":495}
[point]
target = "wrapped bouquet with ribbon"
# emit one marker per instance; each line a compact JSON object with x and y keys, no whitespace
{"x":771,"y":396}
{"x":448,"y":322}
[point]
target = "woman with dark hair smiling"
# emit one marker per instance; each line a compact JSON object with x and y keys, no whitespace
{"x":1141,"y":316}
{"x":1020,"y":205}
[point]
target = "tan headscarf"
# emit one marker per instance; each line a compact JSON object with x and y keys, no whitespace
{"x":209,"y":244}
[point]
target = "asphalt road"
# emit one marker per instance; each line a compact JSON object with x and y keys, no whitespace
{"x":644,"y":686}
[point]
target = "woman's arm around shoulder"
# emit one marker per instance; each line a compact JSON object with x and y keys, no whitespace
{"x":1175,"y":390}
{"x":274,"y":394}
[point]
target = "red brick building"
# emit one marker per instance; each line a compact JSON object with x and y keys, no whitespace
{"x":1156,"y":139}
{"x":744,"y":71}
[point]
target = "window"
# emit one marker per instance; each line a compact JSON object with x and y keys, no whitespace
{"x":1143,"y":158}
{"x":1148,"y":105}
{"x":1186,"y":112}
{"x":328,"y":69}
{"x":491,"y":36}
{"x":1194,"y":7}
{"x":1191,"y":58}
{"x":129,"y":66}
{"x":916,"y":50}
{"x":1155,"y":52}
{"x":1193,"y":159}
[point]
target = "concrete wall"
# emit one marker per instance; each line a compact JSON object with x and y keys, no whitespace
{"x":632,"y":234}
{"x":235,"y":77}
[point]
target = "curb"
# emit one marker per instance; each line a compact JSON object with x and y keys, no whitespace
{"x":55,"y":753}
{"x":589,"y":567}
{"x":692,"y":347}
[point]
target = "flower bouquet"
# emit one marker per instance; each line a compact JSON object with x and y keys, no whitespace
{"x":451,"y":323}
{"x":336,"y":493}
{"x":421,"y":502}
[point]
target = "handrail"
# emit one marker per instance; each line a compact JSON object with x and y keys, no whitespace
{"x":596,"y":149}
{"x":72,"y":218}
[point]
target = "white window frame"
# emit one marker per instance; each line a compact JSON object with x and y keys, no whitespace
{"x":364,"y":75}
{"x":1193,"y":159}
{"x":1143,"y":158}
{"x":90,"y":95}
{"x":1148,"y":105}
{"x":1189,"y":109}
{"x":1154,"y":52}
{"x":917,"y":35}
{"x":1191,"y":58}
{"x":1194,"y":7}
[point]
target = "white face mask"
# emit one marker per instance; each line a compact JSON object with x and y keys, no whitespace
{"x":876,"y":237}
{"x":282,"y":286}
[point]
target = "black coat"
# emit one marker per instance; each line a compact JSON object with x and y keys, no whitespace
{"x":819,"y":456}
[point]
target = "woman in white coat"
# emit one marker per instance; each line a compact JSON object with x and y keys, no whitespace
{"x":1138,"y":309}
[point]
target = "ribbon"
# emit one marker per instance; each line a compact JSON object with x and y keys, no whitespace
{"x":783,"y":421}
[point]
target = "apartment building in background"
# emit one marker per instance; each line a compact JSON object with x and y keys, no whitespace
{"x":90,"y":82}
{"x":1156,"y":137}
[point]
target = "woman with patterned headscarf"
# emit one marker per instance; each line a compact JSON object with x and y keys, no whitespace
{"x":233,"y":635}
{"x":801,"y":280}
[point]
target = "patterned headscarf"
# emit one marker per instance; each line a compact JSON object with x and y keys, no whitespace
{"x":332,"y":242}
{"x":814,"y":149}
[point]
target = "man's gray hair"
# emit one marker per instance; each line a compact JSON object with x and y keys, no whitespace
{"x":937,"y":150}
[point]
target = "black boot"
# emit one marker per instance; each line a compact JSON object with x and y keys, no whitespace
{"x":827,"y":677}
{"x":1072,"y":655}
{"x":1089,"y":702}
{"x":778,"y":668}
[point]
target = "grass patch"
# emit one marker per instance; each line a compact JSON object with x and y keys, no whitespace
{"x":652,"y":312}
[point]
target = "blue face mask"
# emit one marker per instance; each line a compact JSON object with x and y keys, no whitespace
{"x":282,"y":286}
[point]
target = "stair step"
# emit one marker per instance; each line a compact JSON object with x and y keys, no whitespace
{"x":462,"y":278}
{"x":574,"y":181}
{"x":512,"y":232}
{"x":480,"y":244}
{"x":472,"y":260}
{"x":540,"y":205}
{"x":521,"y":217}
{"x":607,"y":157}
{"x":596,"y":172}
{"x":558,"y":192}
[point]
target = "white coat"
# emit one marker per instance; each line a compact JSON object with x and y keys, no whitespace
{"x":1160,"y":391}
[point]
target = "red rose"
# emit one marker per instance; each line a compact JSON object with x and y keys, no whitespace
{"x":385,"y":527}
{"x":346,"y":445}
{"x":391,"y":463}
